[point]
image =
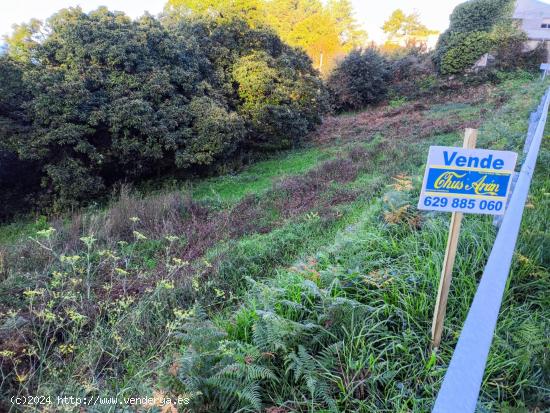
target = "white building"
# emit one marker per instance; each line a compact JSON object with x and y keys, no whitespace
{"x":534,"y":18}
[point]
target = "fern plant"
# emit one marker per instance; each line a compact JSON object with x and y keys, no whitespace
{"x":306,"y":372}
{"x":221,"y":375}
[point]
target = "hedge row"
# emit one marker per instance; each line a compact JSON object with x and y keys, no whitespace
{"x":104,"y":99}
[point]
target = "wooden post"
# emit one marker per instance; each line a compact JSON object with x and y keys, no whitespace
{"x":470,"y":138}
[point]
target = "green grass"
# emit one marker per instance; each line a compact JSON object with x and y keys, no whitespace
{"x":386,"y":276}
{"x":10,"y":233}
{"x":463,"y":110}
{"x":225,"y":189}
{"x":259,"y":176}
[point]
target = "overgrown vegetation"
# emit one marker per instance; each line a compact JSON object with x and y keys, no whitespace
{"x":347,"y":329}
{"x":90,"y":102}
{"x":311,"y":293}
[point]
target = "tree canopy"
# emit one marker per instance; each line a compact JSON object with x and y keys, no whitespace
{"x":104,"y":99}
{"x":324,"y":30}
{"x":407,"y":27}
{"x":222,"y":10}
{"x":25,"y":37}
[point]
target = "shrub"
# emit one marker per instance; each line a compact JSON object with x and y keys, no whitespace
{"x":13,"y":95}
{"x":216,"y":133}
{"x":111,"y":102}
{"x":504,"y":41}
{"x":510,"y":53}
{"x":281,"y":103}
{"x":358,"y":80}
{"x":465,"y":51}
{"x":468,"y":36}
{"x":272,"y":86}
{"x":410,"y":65}
{"x":18,"y":179}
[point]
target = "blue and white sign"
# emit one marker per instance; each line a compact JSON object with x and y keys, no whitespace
{"x":475,"y":181}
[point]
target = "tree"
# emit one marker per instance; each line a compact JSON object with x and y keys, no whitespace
{"x":14,"y":94}
{"x":406,"y":27}
{"x":271,"y":85}
{"x":479,"y":15}
{"x":284,"y":15}
{"x":18,"y":179}
{"x":350,"y":35}
{"x":468,"y":47}
{"x":319,"y":37}
{"x":24,"y":39}
{"x":359,"y":80}
{"x":113,"y":100}
{"x":281,"y":100}
{"x":252,"y":11}
{"x":306,"y":24}
{"x":323,"y":31}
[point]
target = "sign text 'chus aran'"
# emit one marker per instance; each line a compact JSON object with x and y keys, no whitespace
{"x":467,"y":180}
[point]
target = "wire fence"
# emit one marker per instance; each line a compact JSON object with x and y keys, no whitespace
{"x":460,"y":389}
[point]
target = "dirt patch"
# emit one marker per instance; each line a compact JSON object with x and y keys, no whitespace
{"x":410,"y":121}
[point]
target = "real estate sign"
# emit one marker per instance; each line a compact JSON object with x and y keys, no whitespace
{"x":467,"y":180}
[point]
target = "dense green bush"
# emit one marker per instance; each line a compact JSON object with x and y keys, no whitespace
{"x":359,"y":80}
{"x":506,"y":44}
{"x":113,"y":100}
{"x":464,"y":51}
{"x":279,"y":100}
{"x":471,"y":33}
{"x":110,"y":102}
{"x":13,"y":95}
{"x":478,"y":15}
{"x":272,"y":86}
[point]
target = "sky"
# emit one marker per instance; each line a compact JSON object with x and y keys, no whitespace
{"x":370,"y":13}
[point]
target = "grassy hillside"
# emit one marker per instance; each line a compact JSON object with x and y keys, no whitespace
{"x":303,"y":283}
